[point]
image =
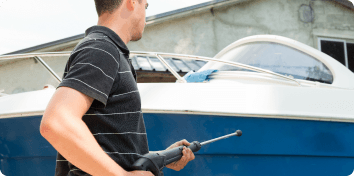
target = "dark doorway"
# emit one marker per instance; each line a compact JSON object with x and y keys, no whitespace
{"x":334,"y":49}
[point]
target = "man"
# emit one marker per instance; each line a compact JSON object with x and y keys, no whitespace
{"x":94,"y":118}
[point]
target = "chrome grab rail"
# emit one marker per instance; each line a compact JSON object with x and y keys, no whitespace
{"x":201,"y":58}
{"x":48,"y":68}
{"x":179,"y":78}
{"x":27,"y":55}
{"x":160,"y":57}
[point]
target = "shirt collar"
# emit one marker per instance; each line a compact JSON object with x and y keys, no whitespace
{"x":112,"y":35}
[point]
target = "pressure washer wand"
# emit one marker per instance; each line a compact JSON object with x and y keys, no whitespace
{"x":155,"y":162}
{"x":237,"y":133}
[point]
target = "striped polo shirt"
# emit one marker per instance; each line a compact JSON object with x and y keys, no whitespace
{"x":99,"y":67}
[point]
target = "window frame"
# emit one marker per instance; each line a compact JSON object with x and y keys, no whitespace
{"x":303,"y":51}
{"x":319,"y":39}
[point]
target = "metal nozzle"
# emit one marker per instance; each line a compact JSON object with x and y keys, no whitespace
{"x":237,"y":133}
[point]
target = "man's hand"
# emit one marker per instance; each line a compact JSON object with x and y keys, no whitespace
{"x":140,"y":173}
{"x":188,"y":155}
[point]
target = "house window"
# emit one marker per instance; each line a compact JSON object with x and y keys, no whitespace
{"x":341,"y":50}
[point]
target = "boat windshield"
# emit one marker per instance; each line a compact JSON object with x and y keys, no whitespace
{"x":277,"y":58}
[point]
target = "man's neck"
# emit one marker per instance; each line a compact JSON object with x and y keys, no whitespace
{"x":119,"y":25}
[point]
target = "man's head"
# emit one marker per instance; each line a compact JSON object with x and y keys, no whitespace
{"x":132,"y":11}
{"x":103,"y":6}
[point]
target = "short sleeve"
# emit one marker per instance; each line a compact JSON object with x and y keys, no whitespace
{"x":92,"y":71}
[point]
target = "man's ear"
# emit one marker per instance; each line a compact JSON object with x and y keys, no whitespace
{"x":131,"y":5}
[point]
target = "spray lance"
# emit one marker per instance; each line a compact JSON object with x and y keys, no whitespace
{"x":155,"y":162}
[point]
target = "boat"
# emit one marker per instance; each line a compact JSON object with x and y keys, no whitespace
{"x":293,"y":103}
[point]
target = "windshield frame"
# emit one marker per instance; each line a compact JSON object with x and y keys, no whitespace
{"x":285,"y":42}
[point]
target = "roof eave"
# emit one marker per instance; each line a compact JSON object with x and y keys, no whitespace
{"x":46,"y":45}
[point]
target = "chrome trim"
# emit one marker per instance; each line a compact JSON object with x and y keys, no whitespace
{"x":160,"y":57}
{"x":48,"y":68}
{"x":136,"y":61}
{"x":152,"y":67}
{"x":186,"y":64}
{"x":235,"y":115}
{"x":22,"y":56}
{"x":21,"y":114}
{"x":268,"y":116}
{"x":179,"y":78}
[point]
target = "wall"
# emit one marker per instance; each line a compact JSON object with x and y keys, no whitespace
{"x":208,"y":33}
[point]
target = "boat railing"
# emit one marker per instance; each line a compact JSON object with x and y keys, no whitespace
{"x":158,"y":55}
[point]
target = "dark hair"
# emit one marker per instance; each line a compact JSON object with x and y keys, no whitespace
{"x":109,"y":6}
{"x":103,"y":6}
